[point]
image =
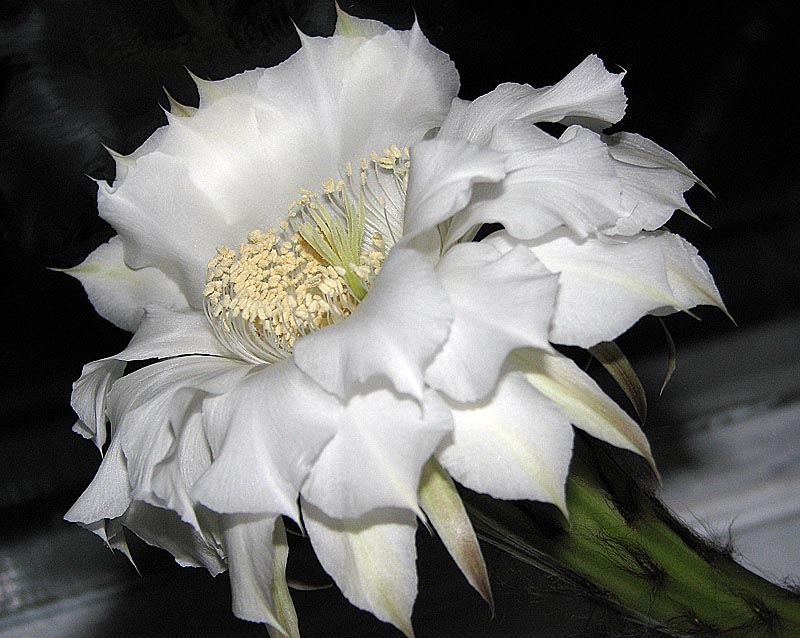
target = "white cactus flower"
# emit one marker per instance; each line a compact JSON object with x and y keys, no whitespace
{"x":331,"y":346}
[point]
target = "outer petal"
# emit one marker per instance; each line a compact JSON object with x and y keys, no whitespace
{"x":264,"y":438}
{"x":588,"y":93}
{"x":582,"y":400}
{"x":150,"y":405}
{"x":257,"y":550}
{"x":568,"y":181}
{"x":372,"y":559}
{"x":689,"y":277}
{"x":392,"y":335}
{"x":380,"y":108}
{"x":167,"y":333}
{"x":165,"y":221}
{"x":441,"y":182}
{"x":501,"y":302}
{"x":163,"y":333}
{"x":109,"y":493}
{"x":605,"y":286}
{"x":89,"y":395}
{"x":442,"y":504}
{"x":653,"y":180}
{"x":516,"y":444}
{"x":119,"y":293}
{"x":377,"y":455}
{"x":188,"y":456}
{"x":162,"y":528}
{"x":201,"y":182}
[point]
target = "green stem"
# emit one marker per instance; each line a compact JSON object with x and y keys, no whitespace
{"x":622,"y":546}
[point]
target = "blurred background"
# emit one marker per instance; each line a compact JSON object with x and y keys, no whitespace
{"x":713,"y":86}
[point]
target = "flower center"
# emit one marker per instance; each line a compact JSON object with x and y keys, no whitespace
{"x":314,"y":270}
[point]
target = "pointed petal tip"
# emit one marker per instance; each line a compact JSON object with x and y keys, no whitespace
{"x":443,"y":504}
{"x":344,"y":23}
{"x":119,"y":158}
{"x":688,"y":211}
{"x":405,"y":627}
{"x":721,"y":305}
{"x":609,"y":354}
{"x":176,"y":108}
{"x":206,"y":89}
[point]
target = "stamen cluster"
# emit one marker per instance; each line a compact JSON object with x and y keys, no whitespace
{"x":276,"y":290}
{"x":315,"y":269}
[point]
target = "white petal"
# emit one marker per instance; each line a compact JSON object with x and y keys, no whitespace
{"x":501,"y":302}
{"x":372,"y":559}
{"x":653,"y":180}
{"x":149,"y":405}
{"x":119,"y":293}
{"x":188,"y":456}
{"x":689,"y":277}
{"x":165,"y":221}
{"x":393,"y":334}
{"x":400,"y":106}
{"x":516,"y":444}
{"x":162,"y":528}
{"x":108,"y":495}
{"x":89,"y":395}
{"x":168,"y":333}
{"x":588,"y":93}
{"x":264,"y":437}
{"x":256,"y":549}
{"x":441,"y":181}
{"x":605,"y":286}
{"x":582,"y":400}
{"x":163,"y":333}
{"x":568,"y":181}
{"x":376,"y":457}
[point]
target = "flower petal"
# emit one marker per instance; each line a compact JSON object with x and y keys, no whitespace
{"x":442,"y":504}
{"x":588,"y":94}
{"x":167,"y":333}
{"x":162,"y":333}
{"x":162,"y":528}
{"x":516,"y":444}
{"x":441,"y":181}
{"x":119,"y":293}
{"x":569,"y":181}
{"x":653,"y":180}
{"x":89,"y":395}
{"x":148,"y":406}
{"x":605,"y":285}
{"x":165,"y":221}
{"x":400,"y":107}
{"x":188,"y":456}
{"x":257,"y":550}
{"x":109,"y":493}
{"x":393,"y":334}
{"x":372,"y":559}
{"x":264,"y":437}
{"x":581,"y":400}
{"x":376,"y":457}
{"x":501,"y":302}
{"x":689,"y":276}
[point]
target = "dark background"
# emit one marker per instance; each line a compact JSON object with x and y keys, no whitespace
{"x":713,"y":86}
